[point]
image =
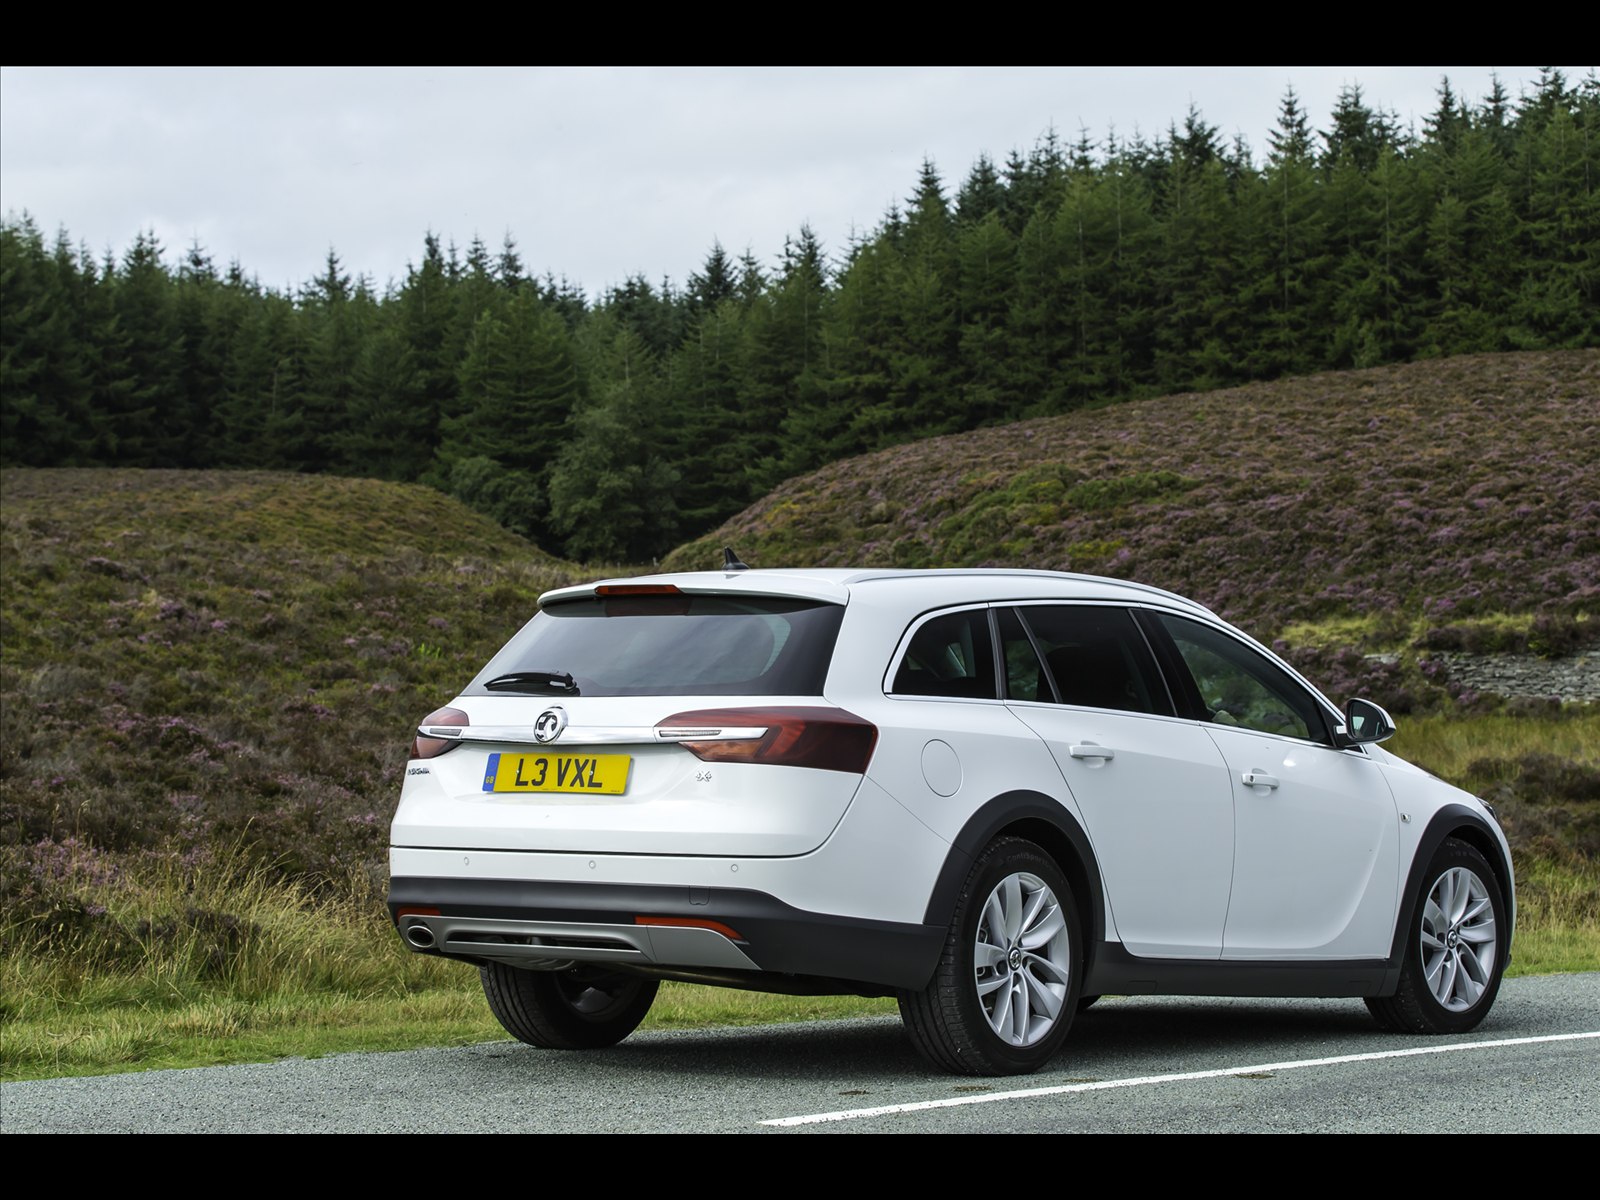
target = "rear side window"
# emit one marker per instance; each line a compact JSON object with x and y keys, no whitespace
{"x":1025,"y":674}
{"x":670,"y":645}
{"x":949,"y":655}
{"x":1098,"y":658}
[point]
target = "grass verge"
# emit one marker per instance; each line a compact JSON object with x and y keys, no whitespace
{"x":313,"y":977}
{"x":191,"y":969}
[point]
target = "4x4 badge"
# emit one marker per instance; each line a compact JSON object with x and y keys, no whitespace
{"x":550,"y":724}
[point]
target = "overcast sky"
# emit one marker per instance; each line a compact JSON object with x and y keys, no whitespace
{"x":598,"y":173}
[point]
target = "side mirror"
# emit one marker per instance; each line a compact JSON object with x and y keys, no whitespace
{"x":1365,"y":722}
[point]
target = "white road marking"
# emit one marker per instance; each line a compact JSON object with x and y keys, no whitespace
{"x":1145,"y":1080}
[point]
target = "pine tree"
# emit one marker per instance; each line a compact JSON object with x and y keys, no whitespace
{"x":612,"y":491}
{"x":923,"y":391}
{"x":1290,"y":241}
{"x":1494,"y":119}
{"x":650,"y":314}
{"x":43,"y":382}
{"x":204,"y":352}
{"x":987,"y":258}
{"x":426,"y":311}
{"x":387,"y":436}
{"x":1021,"y":195}
{"x":1443,"y":129}
{"x":704,"y":437}
{"x":1047,"y":166}
{"x":566,"y":299}
{"x":709,"y":287}
{"x":508,"y":269}
{"x":518,"y":383}
{"x":1374,"y":251}
{"x":1558,"y":303}
{"x":783,"y":358}
{"x":152,"y":421}
{"x":1290,"y":140}
{"x":1468,"y":256}
{"x":982,"y":193}
{"x":261,"y":411}
{"x":335,"y":316}
{"x":752,"y":280}
{"x":475,"y":289}
{"x":1549,"y":96}
{"x":1134,"y":255}
{"x":853,"y":409}
{"x":1199,"y":276}
{"x":1035,"y":326}
{"x":1085,"y":230}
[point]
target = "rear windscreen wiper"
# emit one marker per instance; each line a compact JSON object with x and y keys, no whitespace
{"x":534,"y":681}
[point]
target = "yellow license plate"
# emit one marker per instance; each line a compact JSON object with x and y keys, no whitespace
{"x":597,"y":774}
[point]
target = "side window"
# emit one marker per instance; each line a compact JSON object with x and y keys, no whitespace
{"x":1097,"y":658}
{"x":950,"y":655}
{"x":1025,"y":675}
{"x":1240,"y":687}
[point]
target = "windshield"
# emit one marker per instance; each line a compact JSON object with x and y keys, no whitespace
{"x":665,"y":645}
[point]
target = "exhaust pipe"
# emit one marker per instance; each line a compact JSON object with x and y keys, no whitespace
{"x":419,"y":935}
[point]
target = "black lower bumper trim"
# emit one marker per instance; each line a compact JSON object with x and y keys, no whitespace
{"x":776,"y":936}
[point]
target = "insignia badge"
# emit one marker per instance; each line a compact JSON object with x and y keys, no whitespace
{"x":550,"y":724}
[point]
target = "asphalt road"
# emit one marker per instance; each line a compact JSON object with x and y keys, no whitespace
{"x":1131,"y":1065}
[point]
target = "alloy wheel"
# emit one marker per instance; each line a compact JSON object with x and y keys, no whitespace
{"x":1022,"y":959}
{"x":1458,"y":940}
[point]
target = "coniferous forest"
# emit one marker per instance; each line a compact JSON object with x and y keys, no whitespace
{"x":615,"y":427}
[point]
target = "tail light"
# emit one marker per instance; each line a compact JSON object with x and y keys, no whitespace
{"x":827,"y":739}
{"x":431,"y":747}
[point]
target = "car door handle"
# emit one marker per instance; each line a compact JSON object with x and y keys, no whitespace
{"x":1259,"y":779}
{"x":1090,"y":750}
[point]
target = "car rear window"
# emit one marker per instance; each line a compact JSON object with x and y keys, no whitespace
{"x":669,"y":645}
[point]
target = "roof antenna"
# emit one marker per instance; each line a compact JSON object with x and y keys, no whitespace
{"x":730,"y":560}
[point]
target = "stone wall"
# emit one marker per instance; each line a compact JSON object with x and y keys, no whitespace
{"x":1576,"y":677}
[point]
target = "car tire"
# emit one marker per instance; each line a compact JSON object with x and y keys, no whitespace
{"x":1006,"y":987}
{"x":576,"y":1009}
{"x":1456,"y":949}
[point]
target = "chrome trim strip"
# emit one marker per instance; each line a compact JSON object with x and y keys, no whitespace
{"x":594,"y":735}
{"x":572,"y":735}
{"x":556,"y":945}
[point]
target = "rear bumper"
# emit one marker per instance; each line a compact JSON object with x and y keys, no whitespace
{"x":659,"y":929}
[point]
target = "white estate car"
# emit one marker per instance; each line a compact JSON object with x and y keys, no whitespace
{"x":993,"y":794}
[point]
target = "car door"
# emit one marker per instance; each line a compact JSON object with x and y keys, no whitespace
{"x":1153,"y":788}
{"x":1316,"y":834}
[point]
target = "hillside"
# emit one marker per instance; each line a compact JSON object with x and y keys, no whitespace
{"x":1449,"y":490}
{"x":208,"y":679}
{"x":190,"y":660}
{"x":197,"y":659}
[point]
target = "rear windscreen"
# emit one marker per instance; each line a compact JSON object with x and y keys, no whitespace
{"x":668,"y":645}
